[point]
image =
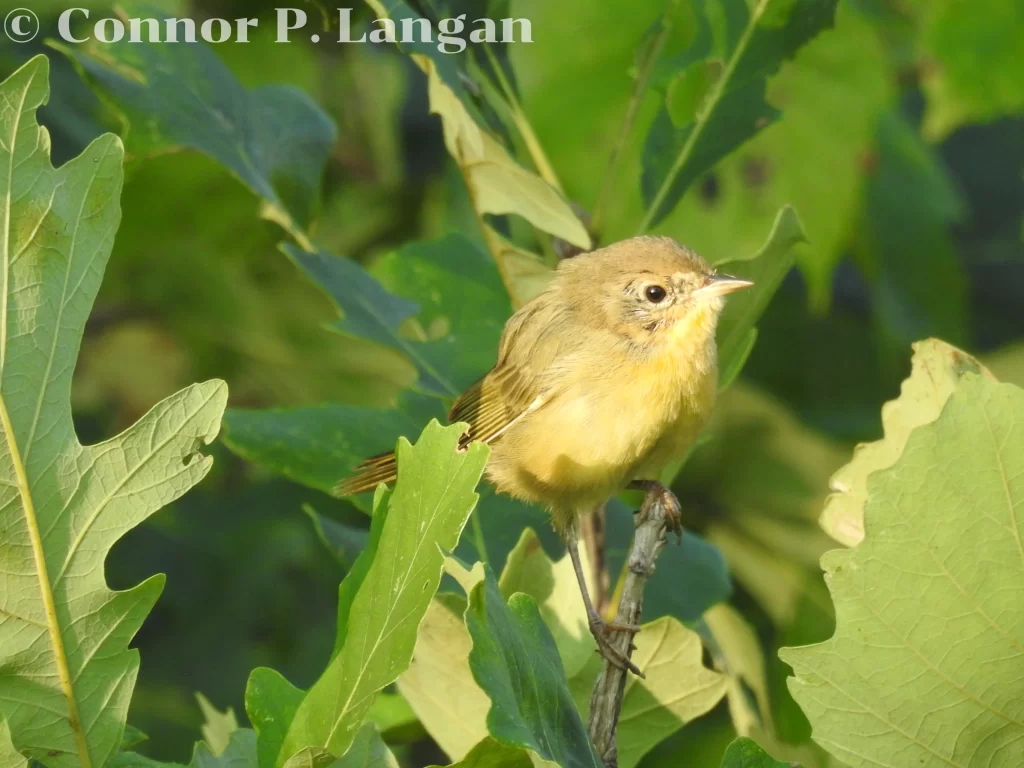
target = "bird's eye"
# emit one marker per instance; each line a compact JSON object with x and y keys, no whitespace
{"x":654,"y":293}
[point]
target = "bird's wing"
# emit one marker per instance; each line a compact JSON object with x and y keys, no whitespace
{"x":522,"y":381}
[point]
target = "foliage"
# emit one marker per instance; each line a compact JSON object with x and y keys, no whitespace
{"x":861,"y":161}
{"x":67,"y":672}
{"x":942,"y":558}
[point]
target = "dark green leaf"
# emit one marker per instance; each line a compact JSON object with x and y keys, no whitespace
{"x":745,"y":753}
{"x":318,"y":446}
{"x":766,"y":269}
{"x":465,"y":306}
{"x":906,"y":247}
{"x":273,"y":138}
{"x":757,"y":41}
{"x":491,"y":753}
{"x":515,"y":661}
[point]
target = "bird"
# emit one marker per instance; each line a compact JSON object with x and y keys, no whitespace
{"x":602,"y":380}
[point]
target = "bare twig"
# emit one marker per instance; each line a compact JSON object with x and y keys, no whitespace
{"x":606,"y":700}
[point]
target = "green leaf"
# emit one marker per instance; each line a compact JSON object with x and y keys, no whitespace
{"x":936,"y":371}
{"x":438,"y":683}
{"x":240,"y":752}
{"x":765,"y":269}
{"x":217,"y":726}
{"x":678,"y":688}
{"x":10,"y":756}
{"x":832,"y":94}
{"x":906,"y":247}
{"x":274,"y":139}
{"x":465,"y":307}
{"x":924,"y":667}
{"x":368,"y":750}
{"x":746,"y":753}
{"x":270,"y":702}
{"x":317,"y":446}
{"x":67,"y":673}
{"x":491,"y":753}
{"x":425,"y":514}
{"x":343,"y":541}
{"x":735,"y":108}
{"x":554,"y":587}
{"x":972,"y":66}
{"x":515,"y":661}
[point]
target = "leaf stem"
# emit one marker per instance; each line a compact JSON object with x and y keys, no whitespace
{"x":533,"y":145}
{"x":636,"y":97}
{"x":702,"y":120}
{"x":53,"y":625}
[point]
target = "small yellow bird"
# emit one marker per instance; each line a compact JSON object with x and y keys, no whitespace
{"x":602,"y":381}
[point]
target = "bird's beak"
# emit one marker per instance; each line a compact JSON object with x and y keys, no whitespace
{"x":719,"y":285}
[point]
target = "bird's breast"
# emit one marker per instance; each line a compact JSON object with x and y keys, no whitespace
{"x":611,"y":412}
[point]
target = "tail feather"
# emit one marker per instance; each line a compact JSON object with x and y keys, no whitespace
{"x":368,"y":475}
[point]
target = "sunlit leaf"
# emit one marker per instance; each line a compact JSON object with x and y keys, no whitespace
{"x":678,"y":688}
{"x":924,"y":667}
{"x":937,"y":369}
{"x":67,"y":673}
{"x":758,"y":40}
{"x":217,"y":726}
{"x":425,"y":514}
{"x":972,"y":67}
{"x":438,"y":683}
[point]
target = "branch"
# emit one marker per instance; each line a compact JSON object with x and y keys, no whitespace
{"x":606,"y":700}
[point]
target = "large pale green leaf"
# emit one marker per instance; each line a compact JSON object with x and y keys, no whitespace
{"x":275,"y":139}
{"x":515,"y":661}
{"x":756,"y":42}
{"x":425,"y":514}
{"x":678,"y":688}
{"x":925,"y":664}
{"x":746,"y":753}
{"x":67,"y":673}
{"x":8,"y":754}
{"x":439,"y":684}
{"x":936,"y":371}
{"x":972,"y":65}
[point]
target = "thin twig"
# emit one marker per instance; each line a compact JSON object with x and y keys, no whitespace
{"x":606,"y":699}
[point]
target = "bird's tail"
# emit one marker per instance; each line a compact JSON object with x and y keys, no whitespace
{"x":368,"y":475}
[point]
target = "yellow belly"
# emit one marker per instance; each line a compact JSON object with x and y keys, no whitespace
{"x":589,"y":442}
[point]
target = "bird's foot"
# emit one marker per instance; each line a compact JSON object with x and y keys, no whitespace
{"x":602,"y":630}
{"x":658,"y":493}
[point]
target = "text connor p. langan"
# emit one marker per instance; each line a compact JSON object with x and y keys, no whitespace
{"x":76,"y":26}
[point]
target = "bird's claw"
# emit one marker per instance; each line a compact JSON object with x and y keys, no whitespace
{"x":672,"y":507}
{"x":601,"y":630}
